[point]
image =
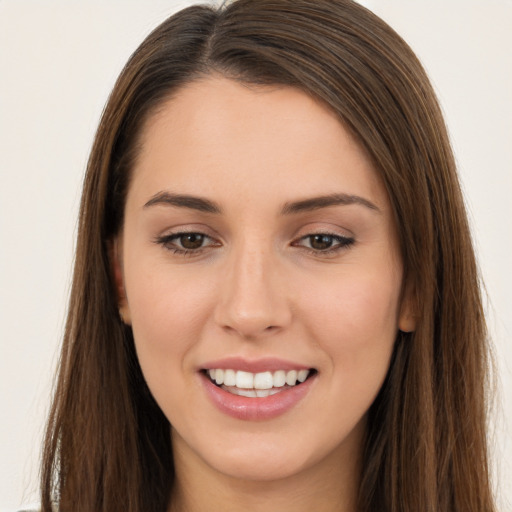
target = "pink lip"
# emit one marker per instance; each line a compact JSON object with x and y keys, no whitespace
{"x":255,"y":409}
{"x":256,"y":366}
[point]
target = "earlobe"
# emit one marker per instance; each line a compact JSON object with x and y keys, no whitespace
{"x":117,"y":273}
{"x":407,"y":323}
{"x":408,"y":312}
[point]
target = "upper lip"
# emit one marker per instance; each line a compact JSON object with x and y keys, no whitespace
{"x":270,"y":364}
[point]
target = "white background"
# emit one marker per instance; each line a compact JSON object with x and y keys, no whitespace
{"x":58,"y":62}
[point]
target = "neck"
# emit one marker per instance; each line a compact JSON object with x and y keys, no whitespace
{"x":327,"y":486}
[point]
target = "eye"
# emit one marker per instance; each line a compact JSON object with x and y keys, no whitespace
{"x":186,"y":243}
{"x":191,"y":240}
{"x":324,"y":243}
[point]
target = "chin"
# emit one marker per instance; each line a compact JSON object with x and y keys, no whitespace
{"x":261,"y":466}
{"x":272,"y":456}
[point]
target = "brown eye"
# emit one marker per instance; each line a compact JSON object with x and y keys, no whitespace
{"x":186,"y":243}
{"x":321,"y":242}
{"x":191,"y":240}
{"x":324,"y":244}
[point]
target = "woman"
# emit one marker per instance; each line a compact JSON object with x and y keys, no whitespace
{"x":275,"y":301}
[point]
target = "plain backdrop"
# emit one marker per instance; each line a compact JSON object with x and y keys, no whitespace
{"x":58,"y":62}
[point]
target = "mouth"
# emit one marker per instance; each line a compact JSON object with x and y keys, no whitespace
{"x":257,"y":385}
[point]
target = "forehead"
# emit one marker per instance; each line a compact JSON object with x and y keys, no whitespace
{"x":217,"y":134}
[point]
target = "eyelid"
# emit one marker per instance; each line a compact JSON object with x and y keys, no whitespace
{"x":323,"y":227}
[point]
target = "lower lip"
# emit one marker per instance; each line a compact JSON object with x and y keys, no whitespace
{"x":256,"y":409}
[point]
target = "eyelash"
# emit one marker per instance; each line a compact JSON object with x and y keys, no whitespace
{"x":341,"y":243}
{"x":167,"y":242}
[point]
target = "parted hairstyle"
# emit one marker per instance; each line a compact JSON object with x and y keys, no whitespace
{"x":107,"y":446}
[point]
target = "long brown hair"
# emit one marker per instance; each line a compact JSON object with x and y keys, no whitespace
{"x":108,"y":446}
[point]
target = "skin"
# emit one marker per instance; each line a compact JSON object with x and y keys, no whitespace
{"x":258,"y":287}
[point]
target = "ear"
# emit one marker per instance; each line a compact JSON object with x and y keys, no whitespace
{"x":116,"y":263}
{"x":408,"y":316}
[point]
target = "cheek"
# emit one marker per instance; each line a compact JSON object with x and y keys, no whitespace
{"x":163,"y":297}
{"x":168,"y":312}
{"x":357,"y":329}
{"x":355,"y":322}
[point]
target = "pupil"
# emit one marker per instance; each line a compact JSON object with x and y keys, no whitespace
{"x":321,"y":241}
{"x":191,"y":241}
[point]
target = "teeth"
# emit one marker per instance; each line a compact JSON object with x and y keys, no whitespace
{"x":261,"y":393}
{"x":251,"y":393}
{"x":279,"y":379}
{"x":261,"y":382}
{"x":219,"y":376}
{"x":244,"y":380}
{"x":291,"y":378}
{"x":302,"y":375}
{"x":229,"y":377}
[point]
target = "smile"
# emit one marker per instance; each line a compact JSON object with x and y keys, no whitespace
{"x":256,"y":385}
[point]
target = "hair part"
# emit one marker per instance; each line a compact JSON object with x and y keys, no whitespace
{"x":108,"y":445}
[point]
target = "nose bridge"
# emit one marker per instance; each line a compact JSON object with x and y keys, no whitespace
{"x":253,"y":301}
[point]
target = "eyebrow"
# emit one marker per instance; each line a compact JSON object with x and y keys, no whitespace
{"x":305,"y":205}
{"x":316,"y":203}
{"x":184,"y":201}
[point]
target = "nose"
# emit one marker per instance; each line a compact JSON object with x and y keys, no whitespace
{"x":253,"y":300}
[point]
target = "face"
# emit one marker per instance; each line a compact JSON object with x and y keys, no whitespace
{"x":259,"y":268}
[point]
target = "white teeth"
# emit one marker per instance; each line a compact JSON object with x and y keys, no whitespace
{"x":266,"y":392}
{"x":229,"y":377}
{"x":244,"y":380}
{"x":219,"y":376}
{"x":302,"y":375}
{"x":261,"y":382}
{"x":291,"y":377}
{"x":279,"y":378}
{"x":251,"y":393}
